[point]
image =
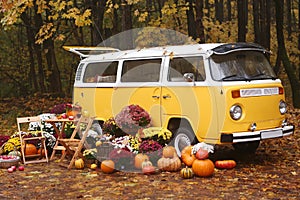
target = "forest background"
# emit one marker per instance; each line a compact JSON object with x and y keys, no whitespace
{"x":32,"y":60}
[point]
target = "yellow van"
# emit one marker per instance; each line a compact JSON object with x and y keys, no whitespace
{"x":213,"y":93}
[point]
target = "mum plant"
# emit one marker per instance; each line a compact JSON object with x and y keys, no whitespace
{"x":132,"y":118}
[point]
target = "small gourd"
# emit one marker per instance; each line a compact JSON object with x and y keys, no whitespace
{"x":139,"y":159}
{"x":107,"y":166}
{"x":146,"y":163}
{"x":186,"y":172}
{"x":79,"y":163}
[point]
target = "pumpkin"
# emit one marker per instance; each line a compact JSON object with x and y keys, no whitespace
{"x":148,"y":170}
{"x":30,"y":149}
{"x":203,"y":167}
{"x":201,"y":154}
{"x":79,"y":163}
{"x":169,"y":164}
{"x":107,"y":166}
{"x":187,"y":157}
{"x":169,"y":152}
{"x":187,"y":172}
{"x":139,"y":159}
{"x":41,"y":150}
{"x":146,"y":163}
{"x":225,"y":164}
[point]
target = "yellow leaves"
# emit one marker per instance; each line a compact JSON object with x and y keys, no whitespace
{"x":80,"y":19}
{"x":45,"y":32}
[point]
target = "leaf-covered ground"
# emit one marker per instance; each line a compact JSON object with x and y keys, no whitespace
{"x":272,"y":173}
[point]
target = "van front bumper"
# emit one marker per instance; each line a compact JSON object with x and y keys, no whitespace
{"x":257,"y":135}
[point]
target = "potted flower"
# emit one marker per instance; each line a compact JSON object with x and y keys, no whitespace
{"x":152,"y":148}
{"x":132,"y":118}
{"x":110,"y":127}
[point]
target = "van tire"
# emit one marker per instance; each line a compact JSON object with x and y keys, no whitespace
{"x":183,"y":137}
{"x":246,"y":147}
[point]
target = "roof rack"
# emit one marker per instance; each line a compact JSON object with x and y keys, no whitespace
{"x":84,"y":52}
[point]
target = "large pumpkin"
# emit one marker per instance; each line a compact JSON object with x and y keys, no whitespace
{"x":203,"y":167}
{"x":169,"y":152}
{"x":79,"y":163}
{"x":169,"y":164}
{"x":139,"y":159}
{"x":107,"y":166}
{"x":187,"y":157}
{"x":30,"y":149}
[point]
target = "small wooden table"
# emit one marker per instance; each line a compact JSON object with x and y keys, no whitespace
{"x":53,"y":122}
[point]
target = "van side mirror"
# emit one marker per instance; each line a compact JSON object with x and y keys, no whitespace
{"x":189,"y":77}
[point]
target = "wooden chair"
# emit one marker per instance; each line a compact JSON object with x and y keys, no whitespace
{"x":42,"y":156}
{"x":74,"y":146}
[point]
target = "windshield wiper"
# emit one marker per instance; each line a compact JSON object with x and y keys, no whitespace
{"x":235,"y":77}
{"x":263,"y":76}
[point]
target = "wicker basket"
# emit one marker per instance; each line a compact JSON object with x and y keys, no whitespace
{"x":7,"y":163}
{"x":104,"y":150}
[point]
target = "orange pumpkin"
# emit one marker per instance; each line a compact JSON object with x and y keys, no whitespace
{"x":30,"y":149}
{"x":187,"y":157}
{"x":139,"y":159}
{"x":203,"y":167}
{"x":169,"y":152}
{"x":107,"y":166}
{"x":41,"y":151}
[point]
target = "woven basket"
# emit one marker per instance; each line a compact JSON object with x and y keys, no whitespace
{"x":104,"y":150}
{"x":10,"y":162}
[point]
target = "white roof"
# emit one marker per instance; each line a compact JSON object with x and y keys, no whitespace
{"x":155,"y":52}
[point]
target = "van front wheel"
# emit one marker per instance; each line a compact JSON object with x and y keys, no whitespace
{"x":183,"y":137}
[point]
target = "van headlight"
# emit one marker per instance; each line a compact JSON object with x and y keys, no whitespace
{"x":236,"y":112}
{"x":282,"y":107}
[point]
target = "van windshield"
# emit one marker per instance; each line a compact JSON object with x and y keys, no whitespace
{"x":241,"y":66}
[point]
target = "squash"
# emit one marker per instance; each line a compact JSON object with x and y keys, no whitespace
{"x":169,"y":152}
{"x":14,"y":153}
{"x":139,"y":159}
{"x":79,"y":163}
{"x":146,"y":163}
{"x":203,"y":168}
{"x":107,"y":166}
{"x":225,"y":164}
{"x":169,"y":164}
{"x":147,"y":170}
{"x":187,"y":157}
{"x":30,"y":149}
{"x":201,"y":154}
{"x":186,"y":172}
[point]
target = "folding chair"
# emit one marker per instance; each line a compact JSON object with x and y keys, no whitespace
{"x":23,"y":122}
{"x":74,"y":146}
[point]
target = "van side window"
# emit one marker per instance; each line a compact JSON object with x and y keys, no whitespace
{"x":146,"y":70}
{"x":181,"y":65}
{"x":101,"y":72}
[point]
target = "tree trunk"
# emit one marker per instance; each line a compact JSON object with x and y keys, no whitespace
{"x":191,"y":20}
{"x":295,"y":83}
{"x":54,"y":77}
{"x":229,"y":16}
{"x":98,"y":9}
{"x":242,"y":20}
{"x":257,"y":32}
{"x":127,"y":42}
{"x":199,"y":24}
{"x":219,"y":9}
{"x":30,"y":44}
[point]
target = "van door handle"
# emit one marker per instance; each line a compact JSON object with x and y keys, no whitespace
{"x":155,"y":97}
{"x":166,"y":96}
